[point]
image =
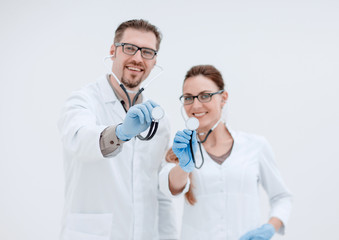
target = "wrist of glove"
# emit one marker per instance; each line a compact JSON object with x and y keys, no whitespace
{"x":120,"y":134}
{"x":137,"y":120}
{"x":181,"y":148}
{"x":265,"y":232}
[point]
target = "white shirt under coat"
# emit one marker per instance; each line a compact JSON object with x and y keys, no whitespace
{"x":115,"y":197}
{"x":228,"y":202}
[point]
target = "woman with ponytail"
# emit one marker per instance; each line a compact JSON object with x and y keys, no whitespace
{"x":222,"y":192}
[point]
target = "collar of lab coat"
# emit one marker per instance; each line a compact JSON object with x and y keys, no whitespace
{"x":108,"y":92}
{"x":230,"y":157}
{"x":231,"y":131}
{"x":109,"y":96}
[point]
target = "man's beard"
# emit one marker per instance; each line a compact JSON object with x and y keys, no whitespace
{"x":130,"y":84}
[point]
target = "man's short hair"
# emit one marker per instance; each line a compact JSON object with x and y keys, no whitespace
{"x":138,"y":24}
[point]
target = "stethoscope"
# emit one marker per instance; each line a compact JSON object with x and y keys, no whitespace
{"x":192,"y":124}
{"x":157,"y":112}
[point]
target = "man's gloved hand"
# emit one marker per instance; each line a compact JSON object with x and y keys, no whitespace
{"x":265,"y":232}
{"x":137,"y":120}
{"x":181,"y":148}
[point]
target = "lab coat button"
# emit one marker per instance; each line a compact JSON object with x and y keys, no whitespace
{"x":111,"y":142}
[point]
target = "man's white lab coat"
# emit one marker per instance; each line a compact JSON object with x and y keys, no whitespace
{"x":115,"y":197}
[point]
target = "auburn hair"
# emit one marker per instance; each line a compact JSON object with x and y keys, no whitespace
{"x":207,"y":71}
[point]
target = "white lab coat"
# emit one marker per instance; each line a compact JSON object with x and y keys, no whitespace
{"x":227,"y":195}
{"x":115,"y":197}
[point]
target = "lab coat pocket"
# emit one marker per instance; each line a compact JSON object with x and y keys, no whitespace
{"x":81,"y":226}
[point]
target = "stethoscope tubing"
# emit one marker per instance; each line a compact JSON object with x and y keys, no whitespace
{"x":151,"y":131}
{"x":193,"y":158}
{"x":199,"y":143}
{"x":154,"y":125}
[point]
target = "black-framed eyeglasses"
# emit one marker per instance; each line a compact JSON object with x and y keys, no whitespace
{"x":202,"y":97}
{"x":131,"y":49}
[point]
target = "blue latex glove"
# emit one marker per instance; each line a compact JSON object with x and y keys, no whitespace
{"x":265,"y":232}
{"x":137,"y":120}
{"x":181,"y":148}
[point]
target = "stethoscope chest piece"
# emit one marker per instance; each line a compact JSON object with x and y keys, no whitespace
{"x":192,"y":123}
{"x":157,"y":113}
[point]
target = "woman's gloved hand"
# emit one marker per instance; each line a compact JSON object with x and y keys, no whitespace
{"x":137,"y":120}
{"x":181,"y":148}
{"x":265,"y":232}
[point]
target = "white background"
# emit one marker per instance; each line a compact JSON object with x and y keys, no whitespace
{"x":278,"y":58}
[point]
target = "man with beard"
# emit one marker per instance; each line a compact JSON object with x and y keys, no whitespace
{"x":112,"y":176}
